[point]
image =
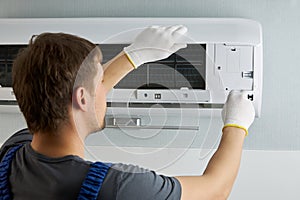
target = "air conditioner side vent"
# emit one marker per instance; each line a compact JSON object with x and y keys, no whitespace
{"x":7,"y":55}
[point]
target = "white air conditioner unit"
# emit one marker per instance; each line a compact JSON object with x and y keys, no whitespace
{"x":222,"y":54}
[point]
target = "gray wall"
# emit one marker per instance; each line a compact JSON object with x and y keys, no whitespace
{"x":278,"y":128}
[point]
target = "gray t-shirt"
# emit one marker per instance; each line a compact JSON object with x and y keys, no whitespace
{"x":35,"y":176}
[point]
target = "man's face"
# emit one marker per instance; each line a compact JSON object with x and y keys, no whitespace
{"x":99,"y":101}
{"x":91,"y":96}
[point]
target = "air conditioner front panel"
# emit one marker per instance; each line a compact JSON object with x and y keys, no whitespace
{"x":222,"y":55}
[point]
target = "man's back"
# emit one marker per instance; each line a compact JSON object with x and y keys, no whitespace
{"x":35,"y":176}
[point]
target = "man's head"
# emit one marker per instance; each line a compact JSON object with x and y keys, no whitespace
{"x":52,"y":71}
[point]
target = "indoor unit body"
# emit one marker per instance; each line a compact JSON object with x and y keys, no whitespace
{"x":222,"y":54}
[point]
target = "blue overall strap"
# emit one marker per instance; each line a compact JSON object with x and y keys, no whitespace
{"x":4,"y":172}
{"x":93,"y":181}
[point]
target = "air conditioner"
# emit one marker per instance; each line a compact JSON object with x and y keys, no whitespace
{"x":222,"y":54}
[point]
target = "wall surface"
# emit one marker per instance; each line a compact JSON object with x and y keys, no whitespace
{"x":270,"y":167}
{"x":278,"y":127}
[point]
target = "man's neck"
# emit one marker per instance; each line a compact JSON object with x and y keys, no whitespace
{"x":62,"y":143}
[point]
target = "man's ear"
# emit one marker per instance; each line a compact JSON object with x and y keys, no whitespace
{"x":80,"y":98}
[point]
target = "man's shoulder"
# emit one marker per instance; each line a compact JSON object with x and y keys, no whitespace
{"x":140,"y":183}
{"x":20,"y":137}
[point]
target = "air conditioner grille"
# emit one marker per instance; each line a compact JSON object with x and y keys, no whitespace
{"x":7,"y":55}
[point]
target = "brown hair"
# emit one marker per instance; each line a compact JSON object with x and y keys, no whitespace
{"x":44,"y":74}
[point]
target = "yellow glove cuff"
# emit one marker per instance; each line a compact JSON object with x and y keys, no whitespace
{"x":237,"y":126}
{"x":130,"y":60}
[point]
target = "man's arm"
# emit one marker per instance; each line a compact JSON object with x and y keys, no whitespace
{"x":115,"y":70}
{"x":216,"y":182}
{"x":219,"y":176}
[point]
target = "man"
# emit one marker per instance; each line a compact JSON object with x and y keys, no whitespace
{"x":60,"y":87}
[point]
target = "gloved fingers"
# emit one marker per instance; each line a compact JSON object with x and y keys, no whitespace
{"x":235,"y":92}
{"x":238,"y":111}
{"x":177,"y":46}
{"x":241,"y":93}
{"x":231,"y":94}
{"x":224,"y":112}
{"x":180,"y":31}
{"x":245,"y":95}
{"x":173,"y":28}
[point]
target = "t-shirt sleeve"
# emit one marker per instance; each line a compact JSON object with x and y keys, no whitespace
{"x":22,"y":136}
{"x":132,"y":182}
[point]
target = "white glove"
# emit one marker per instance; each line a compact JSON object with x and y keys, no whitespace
{"x":155,"y":43}
{"x":238,"y":111}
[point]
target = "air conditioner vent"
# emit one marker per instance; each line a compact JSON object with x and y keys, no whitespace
{"x":7,"y":55}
